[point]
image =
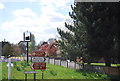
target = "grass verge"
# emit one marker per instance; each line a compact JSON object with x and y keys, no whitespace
{"x":52,"y":72}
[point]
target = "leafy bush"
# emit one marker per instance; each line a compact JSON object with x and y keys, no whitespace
{"x":23,"y":67}
{"x":18,"y":68}
{"x":22,"y":64}
{"x":94,"y":75}
{"x":15,"y":64}
{"x":54,"y":73}
{"x":25,"y":64}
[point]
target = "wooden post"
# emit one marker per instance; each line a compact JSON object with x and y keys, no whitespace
{"x":60,"y":62}
{"x":48,"y":59}
{"x":54,"y":61}
{"x":67,"y":64}
{"x":30,"y":72}
{"x":31,"y":59}
{"x":34,"y":76}
{"x":75,"y":65}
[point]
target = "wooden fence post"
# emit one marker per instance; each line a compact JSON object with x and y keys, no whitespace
{"x":67,"y":64}
{"x":48,"y":59}
{"x":60,"y":62}
{"x":75,"y":65}
{"x":54,"y":61}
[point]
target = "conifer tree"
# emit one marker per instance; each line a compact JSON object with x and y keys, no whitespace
{"x":74,"y":40}
{"x":95,"y":31}
{"x":32,"y":43}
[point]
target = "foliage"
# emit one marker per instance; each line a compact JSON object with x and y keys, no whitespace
{"x":93,"y":32}
{"x":101,"y":31}
{"x":16,"y":50}
{"x":14,"y":63}
{"x":32,"y":43}
{"x":74,"y":40}
{"x":22,"y":48}
{"x":25,"y":63}
{"x":18,"y":68}
{"x":7,"y":50}
{"x":93,"y":74}
{"x":54,"y":73}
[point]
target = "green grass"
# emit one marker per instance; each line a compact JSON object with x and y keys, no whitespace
{"x":103,"y":64}
{"x":52,"y":72}
{"x":0,"y":70}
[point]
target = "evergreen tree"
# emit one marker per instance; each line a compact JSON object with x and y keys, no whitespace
{"x":32,"y":43}
{"x":95,"y":31}
{"x":101,"y":28}
{"x":74,"y":40}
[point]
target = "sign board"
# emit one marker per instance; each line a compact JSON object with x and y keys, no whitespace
{"x":38,"y":66}
{"x":38,"y":59}
{"x":38,"y":54}
{"x":27,"y":36}
{"x":28,"y":72}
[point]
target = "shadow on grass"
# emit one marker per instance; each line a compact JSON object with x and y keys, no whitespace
{"x":99,"y":75}
{"x":92,"y":74}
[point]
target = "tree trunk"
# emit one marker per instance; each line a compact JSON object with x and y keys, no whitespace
{"x":107,"y":61}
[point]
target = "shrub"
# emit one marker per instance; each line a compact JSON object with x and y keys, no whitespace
{"x":54,"y":73}
{"x":26,"y":64}
{"x":22,"y":64}
{"x":23,"y":67}
{"x":14,"y":63}
{"x":18,"y":68}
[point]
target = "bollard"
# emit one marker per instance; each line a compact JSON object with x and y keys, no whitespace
{"x":9,"y":69}
{"x":42,"y":74}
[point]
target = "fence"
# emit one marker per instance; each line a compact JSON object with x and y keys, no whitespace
{"x":75,"y":65}
{"x":21,"y":58}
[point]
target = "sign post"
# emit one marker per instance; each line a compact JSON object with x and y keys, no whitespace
{"x":30,"y":72}
{"x":38,"y":61}
{"x":27,"y":38}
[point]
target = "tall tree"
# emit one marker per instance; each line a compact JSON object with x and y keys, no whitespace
{"x":7,"y":50}
{"x":74,"y":40}
{"x":93,"y":32}
{"x":101,"y":29}
{"x":32,"y":43}
{"x":16,"y":50}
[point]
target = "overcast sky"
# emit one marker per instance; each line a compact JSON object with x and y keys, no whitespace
{"x":40,"y":17}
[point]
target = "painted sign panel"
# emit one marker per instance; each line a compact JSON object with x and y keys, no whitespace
{"x":38,"y":59}
{"x":38,"y":66}
{"x":38,"y":54}
{"x":27,"y":36}
{"x":28,"y":72}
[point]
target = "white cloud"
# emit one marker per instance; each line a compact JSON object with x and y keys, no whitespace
{"x":56,"y":3}
{"x":18,"y":0}
{"x":41,"y":25}
{"x":26,"y":12}
{"x":1,"y":6}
